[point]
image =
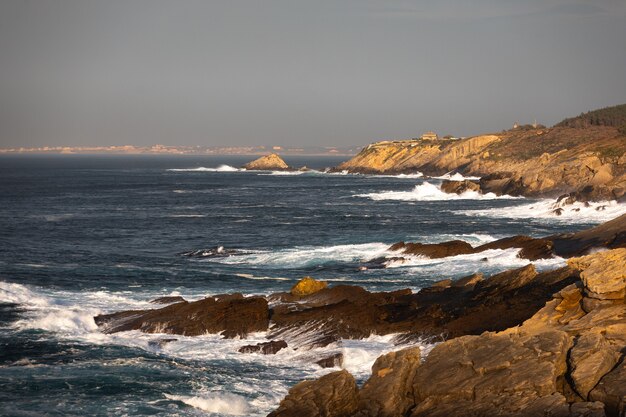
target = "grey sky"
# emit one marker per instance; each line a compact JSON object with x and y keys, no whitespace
{"x":340,"y":72}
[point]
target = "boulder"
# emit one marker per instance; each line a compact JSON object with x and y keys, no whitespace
{"x":271,"y":162}
{"x":307,"y":286}
{"x":333,"y":395}
{"x":601,"y":282}
{"x":493,"y":374}
{"x":388,"y":392}
{"x":266,"y":348}
{"x":434,"y":250}
{"x":332,"y":361}
{"x":459,"y":187}
{"x":168,"y":300}
{"x":591,"y":358}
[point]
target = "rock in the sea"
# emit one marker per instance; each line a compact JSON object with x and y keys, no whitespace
{"x":388,"y":392}
{"x":308,"y":286}
{"x":434,"y":250}
{"x":333,"y":395}
{"x":459,"y":187}
{"x":331,"y":361}
{"x":168,"y":300}
{"x":271,"y":162}
{"x":230,"y":317}
{"x":266,"y":348}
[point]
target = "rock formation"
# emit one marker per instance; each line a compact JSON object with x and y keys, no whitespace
{"x":271,"y":162}
{"x":530,"y":162}
{"x":565,"y":360}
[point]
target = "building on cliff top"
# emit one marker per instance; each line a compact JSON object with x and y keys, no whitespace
{"x":430,"y":136}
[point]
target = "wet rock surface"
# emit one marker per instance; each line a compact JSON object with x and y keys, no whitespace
{"x":266,"y":348}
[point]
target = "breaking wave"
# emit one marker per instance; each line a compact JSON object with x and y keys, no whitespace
{"x":305,"y":256}
{"x":455,"y":177}
{"x":222,"y":403}
{"x":221,"y":168}
{"x":548,"y":210}
{"x":430,"y":192}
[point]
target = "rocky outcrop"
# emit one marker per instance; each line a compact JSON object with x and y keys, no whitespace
{"x":271,"y":162}
{"x":229,"y":316}
{"x":459,"y":187}
{"x":567,"y":359}
{"x":307,"y":286}
{"x":266,"y":348}
{"x":388,"y":392}
{"x":333,"y":395}
{"x":610,"y":235}
{"x":588,"y":163}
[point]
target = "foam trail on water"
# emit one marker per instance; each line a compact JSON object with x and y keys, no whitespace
{"x":221,"y":168}
{"x":430,"y":192}
{"x":548,"y":210}
{"x":310,"y":255}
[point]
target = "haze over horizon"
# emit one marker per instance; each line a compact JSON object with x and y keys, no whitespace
{"x":295,"y":73}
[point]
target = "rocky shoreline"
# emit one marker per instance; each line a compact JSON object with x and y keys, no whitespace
{"x":588,"y":162}
{"x":517,"y":343}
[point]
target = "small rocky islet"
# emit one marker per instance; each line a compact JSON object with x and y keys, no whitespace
{"x":518,"y":343}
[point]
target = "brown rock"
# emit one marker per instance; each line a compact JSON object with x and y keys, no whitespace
{"x":232,"y":318}
{"x":611,"y":391}
{"x":267,"y":348}
{"x":492,"y":374}
{"x":602,"y":282}
{"x":271,"y":162}
{"x":434,"y":250}
{"x":307,"y":286}
{"x":590,"y":359}
{"x":168,"y":300}
{"x":388,"y":392}
{"x":335,"y":360}
{"x":459,"y":187}
{"x":333,"y":395}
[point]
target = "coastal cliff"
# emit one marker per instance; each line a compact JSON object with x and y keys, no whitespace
{"x":523,"y":161}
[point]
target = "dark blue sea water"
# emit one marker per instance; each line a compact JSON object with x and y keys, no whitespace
{"x":82,"y":235}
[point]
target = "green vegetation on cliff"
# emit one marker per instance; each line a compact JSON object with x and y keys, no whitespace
{"x":609,"y":116}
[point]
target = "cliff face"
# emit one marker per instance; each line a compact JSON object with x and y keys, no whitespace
{"x":521,"y":162}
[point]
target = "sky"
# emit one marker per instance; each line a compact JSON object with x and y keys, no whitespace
{"x":299,"y":73}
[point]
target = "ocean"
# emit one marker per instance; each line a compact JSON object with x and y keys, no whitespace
{"x":84,"y":235}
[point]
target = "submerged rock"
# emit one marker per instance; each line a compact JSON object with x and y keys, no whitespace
{"x":332,"y":361}
{"x":271,"y":162}
{"x":266,"y":348}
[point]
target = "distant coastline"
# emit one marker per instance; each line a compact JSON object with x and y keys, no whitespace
{"x":180,"y":150}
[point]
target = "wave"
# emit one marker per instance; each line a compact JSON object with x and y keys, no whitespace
{"x":489,"y":262}
{"x":221,"y":168}
{"x":430,"y":192}
{"x":548,"y":210}
{"x":222,"y":403}
{"x":455,"y":177}
{"x":305,"y":256}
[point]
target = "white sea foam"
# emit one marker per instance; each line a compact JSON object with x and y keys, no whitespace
{"x":222,"y":403}
{"x":309,"y":255}
{"x":417,"y":174}
{"x":545,"y":210}
{"x":430,"y":192}
{"x":456,"y":177}
{"x":284,"y":173}
{"x":489,"y":261}
{"x":221,"y":168}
